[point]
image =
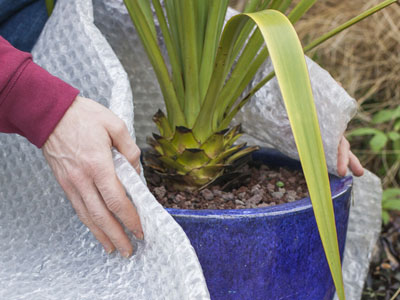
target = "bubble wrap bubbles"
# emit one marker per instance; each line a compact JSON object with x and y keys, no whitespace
{"x":46,"y":252}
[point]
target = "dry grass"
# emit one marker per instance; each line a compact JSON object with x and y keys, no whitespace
{"x":366,"y":60}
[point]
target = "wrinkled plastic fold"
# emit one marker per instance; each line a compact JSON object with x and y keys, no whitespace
{"x":46,"y":253}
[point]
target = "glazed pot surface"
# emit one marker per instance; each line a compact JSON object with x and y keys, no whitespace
{"x":266,"y":253}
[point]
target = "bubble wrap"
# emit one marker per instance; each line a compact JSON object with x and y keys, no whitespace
{"x":66,"y":261}
{"x":362,"y":233}
{"x":46,"y":253}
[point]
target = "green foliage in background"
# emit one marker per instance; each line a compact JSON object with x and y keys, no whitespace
{"x":390,"y":202}
{"x":383,"y":139}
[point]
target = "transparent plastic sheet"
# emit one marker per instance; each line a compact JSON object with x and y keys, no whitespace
{"x":46,"y":253}
{"x":264,"y":118}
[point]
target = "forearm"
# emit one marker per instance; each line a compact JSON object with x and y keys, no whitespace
{"x":32,"y":101}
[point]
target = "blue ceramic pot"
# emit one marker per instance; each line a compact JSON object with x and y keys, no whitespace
{"x":266,"y":253}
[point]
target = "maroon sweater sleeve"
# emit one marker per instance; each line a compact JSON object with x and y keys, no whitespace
{"x":32,"y":101}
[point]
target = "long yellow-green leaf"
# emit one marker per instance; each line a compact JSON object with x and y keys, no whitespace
{"x":322,"y":38}
{"x":49,"y":6}
{"x":237,"y":87}
{"x":175,"y":114}
{"x":288,"y":60}
{"x":291,"y":71}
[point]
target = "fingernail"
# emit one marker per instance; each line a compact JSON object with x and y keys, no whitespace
{"x":126,"y":254}
{"x":109,"y":250}
{"x":139,"y":234}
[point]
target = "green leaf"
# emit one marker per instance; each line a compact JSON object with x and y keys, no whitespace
{"x":378,"y":142}
{"x":215,"y":22}
{"x":397,"y":126}
{"x":49,"y":6}
{"x":386,"y":115}
{"x":191,"y":60}
{"x":390,"y":194}
{"x":364,"y":131}
{"x":149,"y":41}
{"x":173,"y":53}
{"x":292,"y":74}
{"x":300,"y":9}
{"x":393,"y":135}
{"x":385,"y":217}
{"x":393,"y":204}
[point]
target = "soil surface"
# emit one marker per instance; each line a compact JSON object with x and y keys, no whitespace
{"x":383,"y":281}
{"x":262,"y":187}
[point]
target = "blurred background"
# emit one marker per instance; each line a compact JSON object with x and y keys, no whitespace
{"x":365,"y":59}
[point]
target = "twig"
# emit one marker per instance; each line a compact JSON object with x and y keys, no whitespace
{"x":395,"y":295}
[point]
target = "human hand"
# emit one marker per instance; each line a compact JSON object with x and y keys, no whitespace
{"x":346,"y":158}
{"x":79,"y":153}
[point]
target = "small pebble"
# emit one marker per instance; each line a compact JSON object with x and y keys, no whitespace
{"x":160,"y":191}
{"x":207,"y":194}
{"x":270,"y":187}
{"x":239,"y":202}
{"x":228,"y":196}
{"x":179,"y":198}
{"x":255,"y":200}
{"x":242,"y":189}
{"x":242,"y":196}
{"x":277,"y":195}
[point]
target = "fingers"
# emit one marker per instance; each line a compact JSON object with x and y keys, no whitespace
{"x":116,"y":200}
{"x":343,"y":157}
{"x":123,"y":142}
{"x":355,"y":165}
{"x":103,"y":218}
{"x":85,"y":218}
{"x":346,"y":158}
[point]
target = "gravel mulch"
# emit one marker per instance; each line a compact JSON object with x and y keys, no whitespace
{"x":263,"y":187}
